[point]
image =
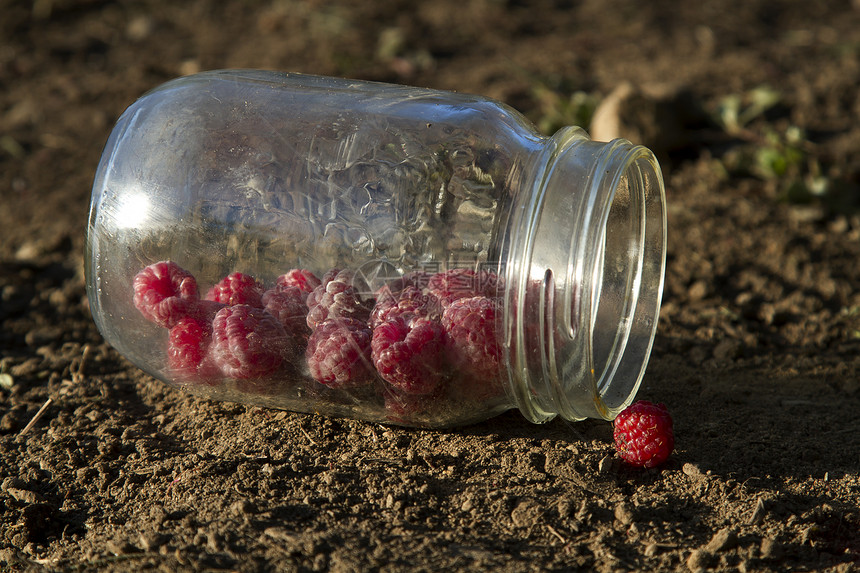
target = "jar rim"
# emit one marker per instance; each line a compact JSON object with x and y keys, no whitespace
{"x":581,"y":311}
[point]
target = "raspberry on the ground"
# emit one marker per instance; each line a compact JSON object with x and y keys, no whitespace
{"x":303,"y":279}
{"x":164,"y":292}
{"x":187,"y":345}
{"x":248,"y":342}
{"x":336,"y":297}
{"x":237,"y":288}
{"x":455,"y":284}
{"x":643,"y":434}
{"x":287,"y":304}
{"x":471,"y":343}
{"x":409,"y":355}
{"x":338,"y":353}
{"x":408,"y":303}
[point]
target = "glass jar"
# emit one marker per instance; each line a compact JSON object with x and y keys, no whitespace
{"x":388,"y":253}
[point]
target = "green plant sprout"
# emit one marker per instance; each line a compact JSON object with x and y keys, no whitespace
{"x":556,"y":110}
{"x":737,"y":111}
{"x":783,"y":157}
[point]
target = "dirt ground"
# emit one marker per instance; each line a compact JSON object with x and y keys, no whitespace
{"x":757,"y":353}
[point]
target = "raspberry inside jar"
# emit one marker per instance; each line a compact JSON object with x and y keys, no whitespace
{"x":423,"y":348}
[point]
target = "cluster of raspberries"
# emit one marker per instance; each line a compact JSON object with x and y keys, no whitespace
{"x":424,"y":335}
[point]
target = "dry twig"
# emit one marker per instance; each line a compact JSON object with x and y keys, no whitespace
{"x":36,"y":417}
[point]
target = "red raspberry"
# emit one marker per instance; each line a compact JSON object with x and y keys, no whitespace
{"x":455,"y":284}
{"x":287,"y":304}
{"x":409,"y":303}
{"x":336,"y":297}
{"x":187,"y":344}
{"x":471,"y":344}
{"x":237,"y":288}
{"x":164,"y":292}
{"x":305,"y":280}
{"x":643,"y":434}
{"x":248,"y":342}
{"x":338,"y":353}
{"x":409,"y":356}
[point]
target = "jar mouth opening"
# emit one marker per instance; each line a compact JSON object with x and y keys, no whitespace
{"x":586,"y":279}
{"x":626,"y":280}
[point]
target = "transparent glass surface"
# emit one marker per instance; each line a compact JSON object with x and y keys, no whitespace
{"x":381,"y":252}
{"x":260,"y":174}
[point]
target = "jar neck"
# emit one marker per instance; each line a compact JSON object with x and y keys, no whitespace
{"x":584,"y":269}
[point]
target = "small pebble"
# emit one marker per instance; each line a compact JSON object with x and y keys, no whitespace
{"x":9,"y":422}
{"x":24,"y":495}
{"x":11,"y":482}
{"x":623,"y":513}
{"x":699,"y":560}
{"x":151,"y":541}
{"x":650,"y":550}
{"x":139,"y":28}
{"x":565,"y":508}
{"x":119,"y":547}
{"x":214,"y":541}
{"x":527,"y":513}
{"x":692,"y":470}
{"x":698,"y":290}
{"x":29,"y":250}
{"x":722,"y":540}
{"x":26,"y":368}
{"x":243,"y":507}
{"x":157,"y":514}
{"x":770,"y":549}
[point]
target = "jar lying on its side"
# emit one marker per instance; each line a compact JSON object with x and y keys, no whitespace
{"x":374,"y":251}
